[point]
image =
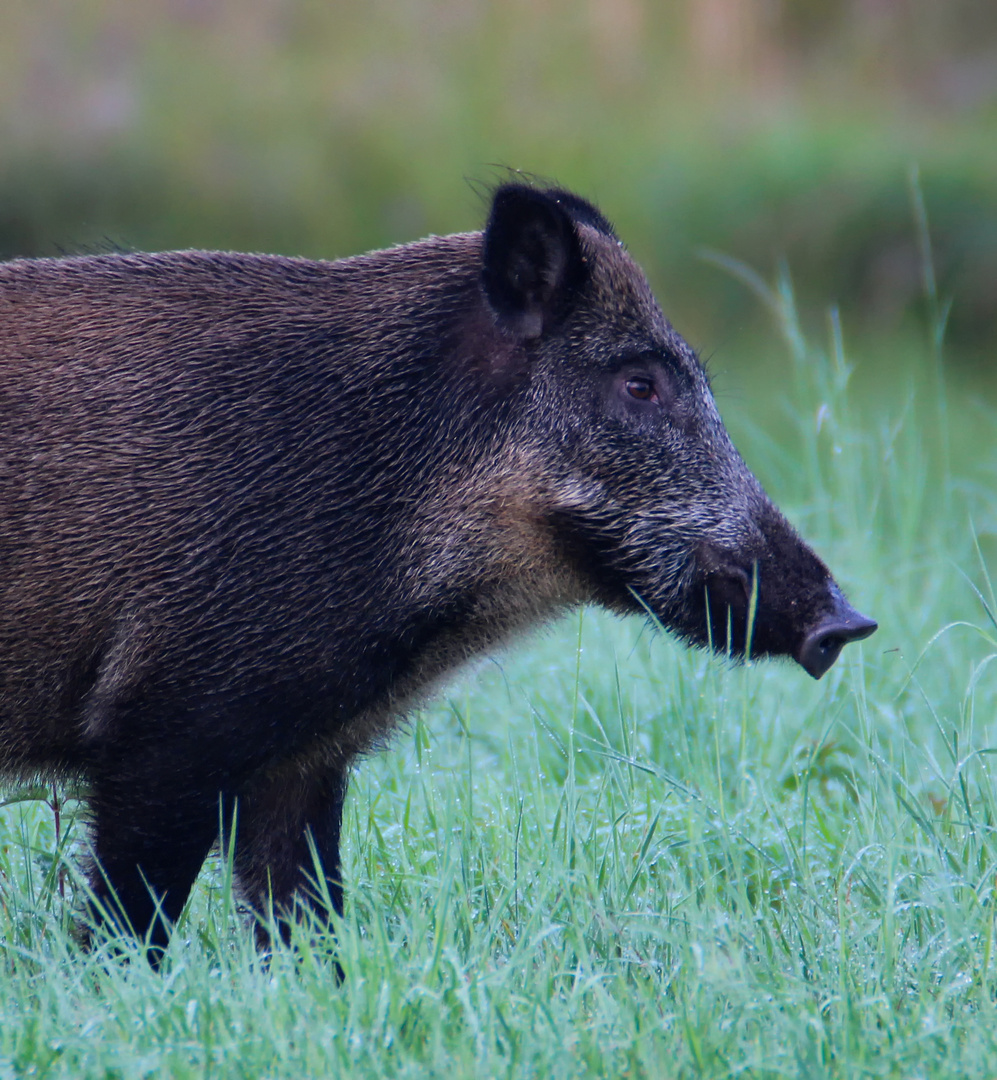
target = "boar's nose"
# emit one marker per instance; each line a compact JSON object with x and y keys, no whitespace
{"x":822,"y":644}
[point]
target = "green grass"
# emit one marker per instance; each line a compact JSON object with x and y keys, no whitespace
{"x":601,"y":854}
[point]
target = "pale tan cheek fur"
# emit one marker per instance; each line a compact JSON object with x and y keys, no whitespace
{"x":502,"y":552}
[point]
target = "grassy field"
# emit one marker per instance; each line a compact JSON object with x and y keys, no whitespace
{"x":602,"y":855}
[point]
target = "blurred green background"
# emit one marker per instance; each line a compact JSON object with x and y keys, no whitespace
{"x":765,"y":129}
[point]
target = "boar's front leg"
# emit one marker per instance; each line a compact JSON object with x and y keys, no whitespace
{"x":286,"y":817}
{"x":152,"y":829}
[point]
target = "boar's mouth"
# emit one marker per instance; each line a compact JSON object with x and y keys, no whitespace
{"x":812,"y":629}
{"x":797,"y":611}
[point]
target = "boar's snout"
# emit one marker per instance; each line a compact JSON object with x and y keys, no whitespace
{"x":821,"y":646}
{"x":785,"y":603}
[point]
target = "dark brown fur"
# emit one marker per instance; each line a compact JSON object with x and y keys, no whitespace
{"x":252,"y":508}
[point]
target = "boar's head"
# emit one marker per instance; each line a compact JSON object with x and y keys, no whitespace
{"x":647,"y":495}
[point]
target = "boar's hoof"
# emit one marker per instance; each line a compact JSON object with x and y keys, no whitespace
{"x":821,"y":646}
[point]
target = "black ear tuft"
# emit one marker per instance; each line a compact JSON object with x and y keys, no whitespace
{"x":532,"y":260}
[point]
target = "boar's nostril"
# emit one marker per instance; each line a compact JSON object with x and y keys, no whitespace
{"x":822,"y":645}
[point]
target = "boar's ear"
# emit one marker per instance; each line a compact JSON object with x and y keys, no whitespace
{"x":532,"y":260}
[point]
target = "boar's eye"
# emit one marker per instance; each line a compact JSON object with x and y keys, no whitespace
{"x":641,"y":389}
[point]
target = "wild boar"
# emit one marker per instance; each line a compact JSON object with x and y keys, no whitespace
{"x":253,"y":508}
